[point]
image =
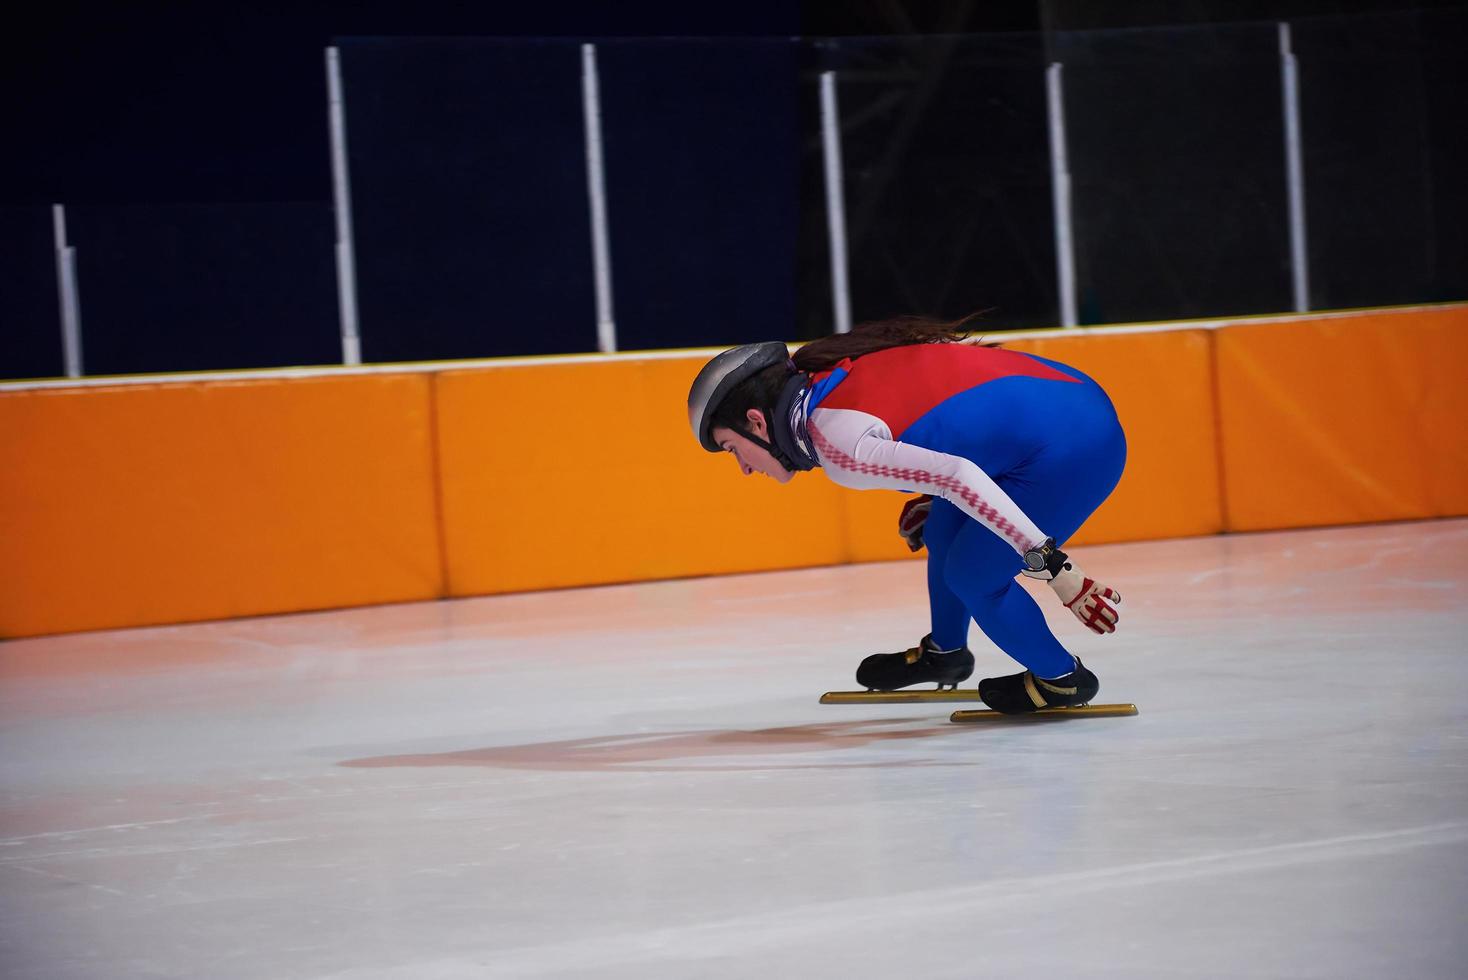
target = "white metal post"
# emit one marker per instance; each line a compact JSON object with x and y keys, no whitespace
{"x":1294,"y":171}
{"x":1060,"y":190}
{"x":601,"y":249}
{"x":346,"y":259}
{"x":69,"y":295}
{"x":835,"y":202}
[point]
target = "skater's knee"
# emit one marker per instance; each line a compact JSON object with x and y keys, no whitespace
{"x":987,"y":584}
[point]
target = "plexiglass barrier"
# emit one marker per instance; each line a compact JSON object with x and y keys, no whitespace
{"x":1083,"y":177}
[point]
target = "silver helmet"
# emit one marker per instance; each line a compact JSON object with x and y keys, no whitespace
{"x":720,"y":376}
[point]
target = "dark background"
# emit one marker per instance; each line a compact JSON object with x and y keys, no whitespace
{"x":189,"y":144}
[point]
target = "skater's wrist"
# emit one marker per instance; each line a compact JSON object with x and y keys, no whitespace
{"x":1044,"y":561}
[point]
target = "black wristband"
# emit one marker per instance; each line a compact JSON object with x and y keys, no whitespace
{"x":1045,"y":561}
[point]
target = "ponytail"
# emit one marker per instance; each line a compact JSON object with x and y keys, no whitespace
{"x":868,"y":338}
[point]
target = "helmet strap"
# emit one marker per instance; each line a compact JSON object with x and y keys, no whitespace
{"x":791,"y":448}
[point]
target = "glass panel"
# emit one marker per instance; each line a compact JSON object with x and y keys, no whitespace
{"x":471,"y":204}
{"x":947,"y":180}
{"x":701,"y":146}
{"x":1176,"y":147}
{"x":472,"y":223}
{"x":205,"y":286}
{"x":469,"y":200}
{"x":1382,"y":100}
{"x":30,"y":317}
{"x":1444,"y":35}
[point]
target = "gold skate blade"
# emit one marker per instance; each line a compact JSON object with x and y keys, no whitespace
{"x":898,"y":697}
{"x":1086,"y":710}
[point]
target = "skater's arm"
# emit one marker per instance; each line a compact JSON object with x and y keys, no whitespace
{"x":857,"y":450}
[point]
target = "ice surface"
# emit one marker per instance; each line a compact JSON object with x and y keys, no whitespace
{"x":637,"y":781}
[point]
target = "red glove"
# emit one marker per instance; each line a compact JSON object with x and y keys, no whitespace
{"x":1094,"y":604}
{"x":914,"y":516}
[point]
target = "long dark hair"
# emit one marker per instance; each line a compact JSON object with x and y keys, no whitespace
{"x":868,"y":338}
{"x":761,"y":390}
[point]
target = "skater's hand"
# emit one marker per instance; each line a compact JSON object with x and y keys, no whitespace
{"x":1093,"y":604}
{"x":914,"y":516}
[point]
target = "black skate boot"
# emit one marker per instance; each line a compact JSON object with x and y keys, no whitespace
{"x":1020,"y":693}
{"x":923,"y":664}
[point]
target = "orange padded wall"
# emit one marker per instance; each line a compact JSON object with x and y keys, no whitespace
{"x":1342,"y":421}
{"x":180,"y":501}
{"x":126,"y":506}
{"x":559,"y":474}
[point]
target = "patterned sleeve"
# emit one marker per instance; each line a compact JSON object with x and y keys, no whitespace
{"x":857,"y":450}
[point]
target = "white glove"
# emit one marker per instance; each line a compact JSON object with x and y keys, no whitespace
{"x":1093,"y":604}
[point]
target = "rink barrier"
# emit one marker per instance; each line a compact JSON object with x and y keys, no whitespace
{"x":139,"y":501}
{"x":1344,"y":421}
{"x":165,"y":503}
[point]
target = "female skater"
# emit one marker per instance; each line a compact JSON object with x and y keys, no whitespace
{"x":1010,"y":453}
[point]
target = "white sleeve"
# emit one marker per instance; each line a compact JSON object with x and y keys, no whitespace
{"x":857,"y":450}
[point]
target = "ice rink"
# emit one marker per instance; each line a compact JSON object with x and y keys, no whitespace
{"x":638,"y":781}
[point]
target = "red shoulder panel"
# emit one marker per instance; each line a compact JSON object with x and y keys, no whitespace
{"x":902,"y":384}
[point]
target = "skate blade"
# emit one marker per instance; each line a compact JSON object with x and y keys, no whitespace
{"x":898,"y":697}
{"x":1085,"y":710}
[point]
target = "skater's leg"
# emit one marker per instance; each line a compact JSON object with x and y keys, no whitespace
{"x":1059,"y":488}
{"x":971,"y":571}
{"x":980,"y":569}
{"x":950,"y":615}
{"x":942,"y":656}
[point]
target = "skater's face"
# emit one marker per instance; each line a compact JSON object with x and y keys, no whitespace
{"x":751,"y":457}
